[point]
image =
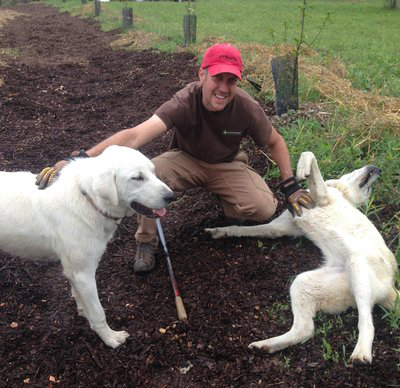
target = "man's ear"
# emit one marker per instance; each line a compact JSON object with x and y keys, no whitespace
{"x":202,"y":74}
{"x":105,"y":187}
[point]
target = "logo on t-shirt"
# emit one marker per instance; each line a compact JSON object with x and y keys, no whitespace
{"x":227,"y":132}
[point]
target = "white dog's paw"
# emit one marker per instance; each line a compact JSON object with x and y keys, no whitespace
{"x":362,"y":353}
{"x":304,"y":165}
{"x":260,"y":346}
{"x":271,"y":345}
{"x":218,"y":232}
{"x":116,"y":338}
{"x":361,"y":359}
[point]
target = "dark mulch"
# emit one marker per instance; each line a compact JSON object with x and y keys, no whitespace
{"x":68,"y":90}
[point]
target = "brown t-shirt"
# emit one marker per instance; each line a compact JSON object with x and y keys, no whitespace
{"x":213,"y":137}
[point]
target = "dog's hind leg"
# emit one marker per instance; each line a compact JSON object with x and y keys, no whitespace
{"x":79,"y":303}
{"x":362,"y":286}
{"x":84,"y":288}
{"x":320,"y":289}
{"x":307,"y":168}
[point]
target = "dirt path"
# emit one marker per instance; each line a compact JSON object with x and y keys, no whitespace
{"x":67,"y":90}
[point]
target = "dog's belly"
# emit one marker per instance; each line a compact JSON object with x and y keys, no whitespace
{"x":334,"y":233}
{"x":28,"y":251}
{"x":26,"y":242}
{"x":341,"y":231}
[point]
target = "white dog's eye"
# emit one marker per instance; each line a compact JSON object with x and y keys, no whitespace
{"x":137,"y":178}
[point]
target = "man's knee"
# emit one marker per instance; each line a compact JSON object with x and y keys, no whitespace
{"x":165,"y":170}
{"x":253,"y":211}
{"x":266,"y":212}
{"x":161,"y":167}
{"x":262,"y":213}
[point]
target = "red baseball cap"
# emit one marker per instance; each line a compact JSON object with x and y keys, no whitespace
{"x":223,"y":58}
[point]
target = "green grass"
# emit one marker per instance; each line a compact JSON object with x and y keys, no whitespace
{"x":363,"y":34}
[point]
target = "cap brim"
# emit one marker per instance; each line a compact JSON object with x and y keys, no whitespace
{"x":224,"y":68}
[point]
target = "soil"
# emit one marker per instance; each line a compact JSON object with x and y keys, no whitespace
{"x":67,"y":90}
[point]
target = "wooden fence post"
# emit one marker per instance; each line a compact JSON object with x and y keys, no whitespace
{"x":286,"y":79}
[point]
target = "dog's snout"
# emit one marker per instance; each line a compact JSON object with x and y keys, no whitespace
{"x":374,"y":170}
{"x":378,"y":170}
{"x":168,"y":197}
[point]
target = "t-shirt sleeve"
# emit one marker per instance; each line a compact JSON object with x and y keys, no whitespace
{"x":173,"y":112}
{"x":165,"y":113}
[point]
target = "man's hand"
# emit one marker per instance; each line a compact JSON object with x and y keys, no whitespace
{"x":49,"y":174}
{"x":296,"y":196}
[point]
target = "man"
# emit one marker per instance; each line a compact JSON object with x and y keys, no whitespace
{"x":209,"y":117}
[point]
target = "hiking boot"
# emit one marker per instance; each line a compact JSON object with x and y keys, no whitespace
{"x":144,"y":257}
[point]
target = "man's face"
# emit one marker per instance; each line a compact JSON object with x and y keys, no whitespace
{"x":218,"y":90}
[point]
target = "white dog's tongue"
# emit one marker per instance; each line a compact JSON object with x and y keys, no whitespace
{"x":160,"y":212}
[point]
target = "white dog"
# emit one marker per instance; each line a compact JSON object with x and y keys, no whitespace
{"x":74,"y":218}
{"x":358,"y":270}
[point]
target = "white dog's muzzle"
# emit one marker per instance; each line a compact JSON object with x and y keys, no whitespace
{"x":152,"y":213}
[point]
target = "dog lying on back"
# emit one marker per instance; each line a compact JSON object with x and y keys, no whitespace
{"x":358,"y":270}
{"x":73,"y":219}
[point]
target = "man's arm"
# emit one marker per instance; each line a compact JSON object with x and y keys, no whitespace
{"x":132,"y":137}
{"x":280,"y":154}
{"x":294,"y":194}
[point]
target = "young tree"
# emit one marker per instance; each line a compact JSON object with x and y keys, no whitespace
{"x":285,"y":67}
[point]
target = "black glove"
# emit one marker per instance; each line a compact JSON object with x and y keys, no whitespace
{"x":49,"y":174}
{"x":296,"y":196}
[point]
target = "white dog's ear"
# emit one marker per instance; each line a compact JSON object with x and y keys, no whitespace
{"x":104,"y":185}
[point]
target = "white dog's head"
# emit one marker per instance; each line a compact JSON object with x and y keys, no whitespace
{"x":125,"y":178}
{"x":356,"y":186}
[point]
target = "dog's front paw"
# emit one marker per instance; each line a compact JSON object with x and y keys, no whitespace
{"x":116,"y":338}
{"x":362,"y":353}
{"x":217,"y":232}
{"x":361,"y":359}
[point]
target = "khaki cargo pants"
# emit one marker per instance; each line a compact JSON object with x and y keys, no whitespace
{"x":243,"y":192}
